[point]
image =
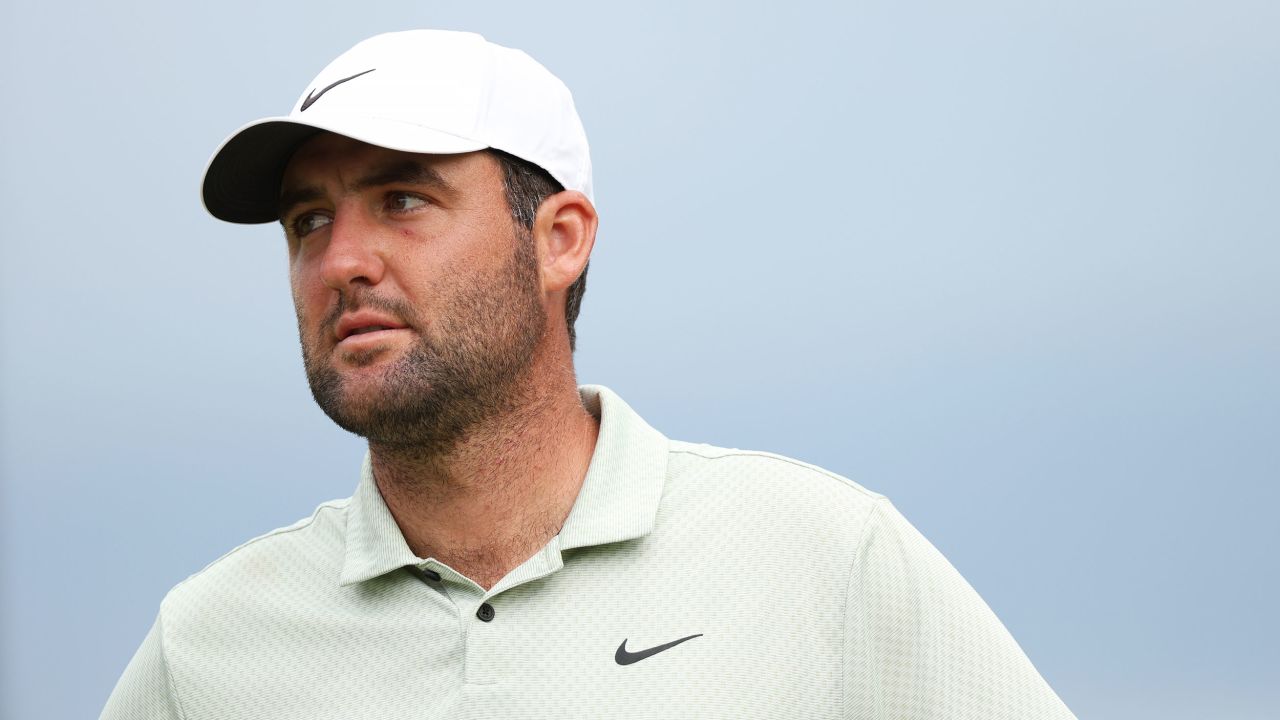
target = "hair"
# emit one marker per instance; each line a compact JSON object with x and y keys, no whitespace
{"x":527,"y":185}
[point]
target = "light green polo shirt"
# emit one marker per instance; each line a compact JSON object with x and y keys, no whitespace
{"x":688,"y":581}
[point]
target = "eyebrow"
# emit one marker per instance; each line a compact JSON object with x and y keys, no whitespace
{"x":402,"y":172}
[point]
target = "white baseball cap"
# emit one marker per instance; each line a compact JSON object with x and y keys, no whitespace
{"x":420,"y":91}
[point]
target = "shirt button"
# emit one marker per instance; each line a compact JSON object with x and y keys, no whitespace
{"x":485,"y":612}
{"x":430,"y":574}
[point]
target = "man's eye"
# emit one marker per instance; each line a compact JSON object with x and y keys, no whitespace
{"x":307,"y":223}
{"x":401,"y":202}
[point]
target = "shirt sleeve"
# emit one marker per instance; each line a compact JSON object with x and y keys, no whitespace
{"x":920,"y":643}
{"x":145,"y":690}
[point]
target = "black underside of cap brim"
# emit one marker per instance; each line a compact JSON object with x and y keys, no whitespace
{"x":242,"y":184}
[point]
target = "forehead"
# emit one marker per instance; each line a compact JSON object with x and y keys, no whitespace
{"x":327,"y":162}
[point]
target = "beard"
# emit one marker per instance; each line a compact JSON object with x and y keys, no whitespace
{"x":427,"y":400}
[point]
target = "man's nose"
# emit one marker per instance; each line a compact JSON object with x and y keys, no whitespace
{"x":353,"y":255}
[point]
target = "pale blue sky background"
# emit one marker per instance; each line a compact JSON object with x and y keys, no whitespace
{"x":1013,"y":264}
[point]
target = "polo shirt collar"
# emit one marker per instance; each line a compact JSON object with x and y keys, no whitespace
{"x":618,"y":500}
{"x":620,"y":494}
{"x":374,"y":543}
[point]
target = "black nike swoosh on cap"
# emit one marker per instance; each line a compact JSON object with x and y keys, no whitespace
{"x":622,"y":657}
{"x":313,"y":96}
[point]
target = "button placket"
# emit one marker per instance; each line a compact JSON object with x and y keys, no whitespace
{"x":484,"y":644}
{"x":488,"y":642}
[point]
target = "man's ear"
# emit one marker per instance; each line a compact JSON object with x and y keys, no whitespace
{"x":564,"y":231}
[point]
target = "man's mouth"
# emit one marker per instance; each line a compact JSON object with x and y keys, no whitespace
{"x":365,"y":323}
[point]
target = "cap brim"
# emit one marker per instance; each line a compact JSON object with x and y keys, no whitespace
{"x":242,"y":179}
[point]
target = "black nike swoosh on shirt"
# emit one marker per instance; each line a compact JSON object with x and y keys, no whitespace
{"x":622,"y":657}
{"x":313,"y":96}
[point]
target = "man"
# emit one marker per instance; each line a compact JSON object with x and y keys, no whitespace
{"x":519,"y":547}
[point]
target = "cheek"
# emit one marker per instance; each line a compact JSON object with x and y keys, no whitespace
{"x":309,"y":297}
{"x":296,"y":286}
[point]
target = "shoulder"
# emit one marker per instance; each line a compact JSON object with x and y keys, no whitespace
{"x":765,"y":473}
{"x":778,"y":496}
{"x":275,"y":561}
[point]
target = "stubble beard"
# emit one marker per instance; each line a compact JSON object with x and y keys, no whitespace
{"x":429,"y":399}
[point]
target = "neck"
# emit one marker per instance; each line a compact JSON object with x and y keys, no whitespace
{"x":500,"y":493}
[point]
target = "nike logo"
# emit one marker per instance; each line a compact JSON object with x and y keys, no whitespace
{"x":313,"y":96}
{"x":622,"y":657}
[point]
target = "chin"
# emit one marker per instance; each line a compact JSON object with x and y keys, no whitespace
{"x":364,"y":358}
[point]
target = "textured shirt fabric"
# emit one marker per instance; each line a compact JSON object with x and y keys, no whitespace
{"x":809,"y":596}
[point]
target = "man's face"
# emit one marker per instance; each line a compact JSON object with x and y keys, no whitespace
{"x":419,"y":303}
